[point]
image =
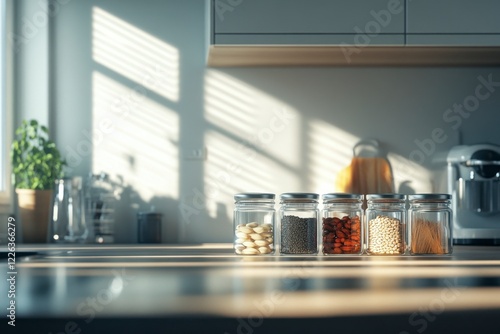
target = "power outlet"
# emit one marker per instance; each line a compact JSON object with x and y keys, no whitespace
{"x":196,"y":154}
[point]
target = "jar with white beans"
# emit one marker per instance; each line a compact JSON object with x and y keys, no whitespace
{"x":385,"y":224}
{"x":254,"y":219}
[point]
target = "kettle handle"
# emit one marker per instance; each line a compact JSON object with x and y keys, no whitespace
{"x":373,"y":143}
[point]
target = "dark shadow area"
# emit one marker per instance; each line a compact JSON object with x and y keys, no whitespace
{"x":457,"y":322}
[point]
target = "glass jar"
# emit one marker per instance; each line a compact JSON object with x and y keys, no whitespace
{"x":430,"y":230}
{"x":341,"y":229}
{"x":299,"y":215}
{"x":254,"y":217}
{"x":385,"y":224}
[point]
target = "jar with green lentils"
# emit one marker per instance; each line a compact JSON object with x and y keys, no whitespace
{"x":299,"y":216}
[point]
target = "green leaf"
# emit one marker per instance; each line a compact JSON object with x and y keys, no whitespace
{"x":36,"y":161}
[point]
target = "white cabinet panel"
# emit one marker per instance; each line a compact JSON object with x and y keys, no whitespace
{"x":307,"y":16}
{"x":453,"y":40}
{"x":309,"y":39}
{"x":453,"y":16}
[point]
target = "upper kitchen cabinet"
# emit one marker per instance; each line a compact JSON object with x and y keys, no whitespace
{"x":453,"y":22}
{"x":321,"y":22}
{"x":353,"y":32}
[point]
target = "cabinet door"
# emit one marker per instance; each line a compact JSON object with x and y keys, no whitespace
{"x":453,"y":22}
{"x":308,"y":16}
{"x":453,"y":40}
{"x":309,"y":39}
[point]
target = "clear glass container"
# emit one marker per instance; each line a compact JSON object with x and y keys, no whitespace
{"x":385,"y":224}
{"x":254,"y":220}
{"x":67,"y":219}
{"x":342,"y":229}
{"x":299,"y":215}
{"x":430,"y":230}
{"x":100,"y":202}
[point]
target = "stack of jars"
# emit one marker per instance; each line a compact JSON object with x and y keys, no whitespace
{"x":342,"y":227}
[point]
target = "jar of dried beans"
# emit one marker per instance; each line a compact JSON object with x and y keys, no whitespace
{"x":386,"y":224}
{"x":299,"y":215}
{"x":341,"y":227}
{"x":254,"y":217}
{"x":430,"y":230}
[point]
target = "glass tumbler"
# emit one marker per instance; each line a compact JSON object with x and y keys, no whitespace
{"x":67,"y":219}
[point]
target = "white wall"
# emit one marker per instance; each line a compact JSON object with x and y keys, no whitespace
{"x":31,"y":56}
{"x":131,"y":76}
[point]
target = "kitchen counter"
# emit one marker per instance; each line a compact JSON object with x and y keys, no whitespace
{"x":194,"y":288}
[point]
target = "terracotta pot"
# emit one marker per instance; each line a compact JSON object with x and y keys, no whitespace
{"x":34,"y":208}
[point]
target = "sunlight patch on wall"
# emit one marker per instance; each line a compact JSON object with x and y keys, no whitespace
{"x":253,"y":141}
{"x":135,"y":54}
{"x":233,"y":167}
{"x":410,"y":177}
{"x":134,"y":138}
{"x":329,"y":151}
{"x":229,"y":104}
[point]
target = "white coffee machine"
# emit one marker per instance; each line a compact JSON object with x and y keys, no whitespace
{"x":474,"y":182}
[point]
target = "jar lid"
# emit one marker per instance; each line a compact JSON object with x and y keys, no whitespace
{"x":149,"y":215}
{"x":254,"y":196}
{"x":330,"y":196}
{"x":299,"y":196}
{"x":418,"y":197}
{"x":385,"y":196}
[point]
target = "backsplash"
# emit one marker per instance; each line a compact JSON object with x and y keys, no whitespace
{"x":136,"y":100}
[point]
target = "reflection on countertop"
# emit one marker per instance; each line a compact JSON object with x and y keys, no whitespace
{"x":190,"y":281}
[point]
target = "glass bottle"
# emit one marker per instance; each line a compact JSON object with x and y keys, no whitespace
{"x":342,"y":229}
{"x":430,"y":230}
{"x":385,"y":224}
{"x":254,"y":218}
{"x":299,"y":216}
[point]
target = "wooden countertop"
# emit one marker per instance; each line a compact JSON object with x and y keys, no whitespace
{"x":137,"y":288}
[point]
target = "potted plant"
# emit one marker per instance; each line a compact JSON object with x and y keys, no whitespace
{"x":36,"y":165}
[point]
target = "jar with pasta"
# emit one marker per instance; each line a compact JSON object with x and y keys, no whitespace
{"x":430,"y":230}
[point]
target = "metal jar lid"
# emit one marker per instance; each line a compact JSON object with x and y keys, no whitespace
{"x":429,"y":197}
{"x":371,"y":197}
{"x":299,"y":196}
{"x":241,"y":196}
{"x":334,"y":196}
